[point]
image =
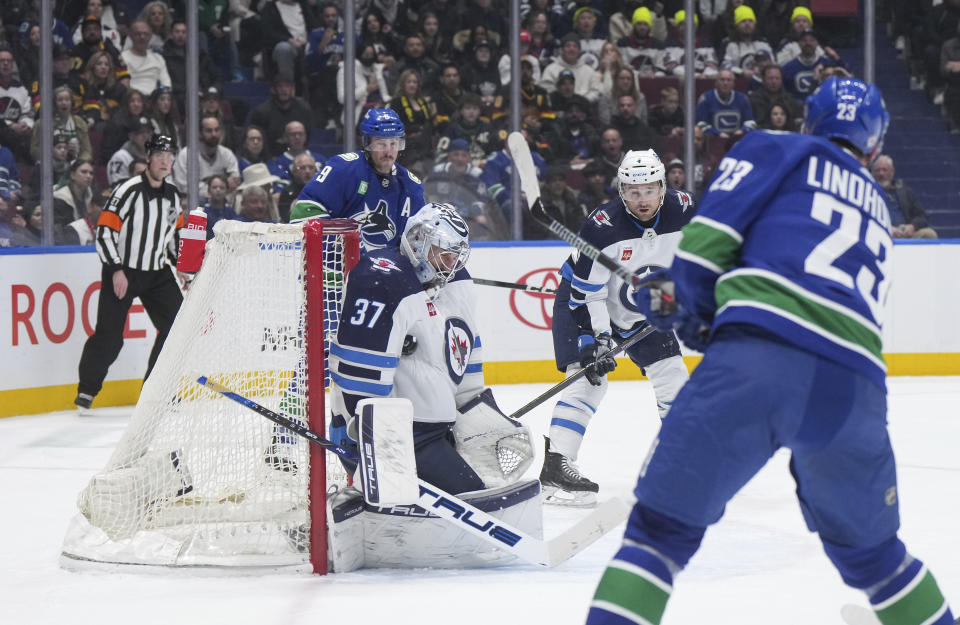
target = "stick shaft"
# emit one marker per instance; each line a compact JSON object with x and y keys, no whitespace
{"x":579,"y":373}
{"x":515,"y":285}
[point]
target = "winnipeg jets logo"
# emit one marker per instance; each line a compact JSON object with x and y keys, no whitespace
{"x":626,"y":290}
{"x":383,"y":264}
{"x":685,"y":201}
{"x":376,"y":227}
{"x":601,"y":218}
{"x":459,"y":346}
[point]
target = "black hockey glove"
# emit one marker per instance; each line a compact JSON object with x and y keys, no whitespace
{"x":594,"y":358}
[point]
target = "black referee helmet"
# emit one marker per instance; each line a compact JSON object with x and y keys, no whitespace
{"x":159,"y":143}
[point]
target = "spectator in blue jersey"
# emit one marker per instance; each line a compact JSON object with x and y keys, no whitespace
{"x":457,"y":181}
{"x":802,"y":74}
{"x":216,"y":206}
{"x":792,"y":335}
{"x":324,"y":53}
{"x":295,"y":139}
{"x":368,"y":186}
{"x":498,"y":178}
{"x":9,"y":175}
{"x":724,"y":112}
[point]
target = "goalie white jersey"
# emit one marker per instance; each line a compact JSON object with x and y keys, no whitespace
{"x":397,"y":340}
{"x":600,"y":299}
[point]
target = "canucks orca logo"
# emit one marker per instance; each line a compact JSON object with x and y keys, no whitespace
{"x":377,"y":230}
{"x":459,"y":346}
{"x":626,"y":289}
{"x":805,"y":82}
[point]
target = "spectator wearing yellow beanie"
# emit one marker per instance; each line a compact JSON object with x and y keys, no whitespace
{"x":801,"y":20}
{"x":621,"y":23}
{"x":705,"y":57}
{"x":641,"y":50}
{"x":745,"y":51}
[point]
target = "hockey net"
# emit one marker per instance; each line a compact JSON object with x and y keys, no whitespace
{"x":197,"y":479}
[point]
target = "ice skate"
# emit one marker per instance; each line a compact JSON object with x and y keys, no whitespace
{"x":562,"y":483}
{"x":280,"y":456}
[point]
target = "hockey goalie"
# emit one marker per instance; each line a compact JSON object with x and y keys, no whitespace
{"x":407,"y":330}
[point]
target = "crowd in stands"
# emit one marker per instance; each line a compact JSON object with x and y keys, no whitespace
{"x":598,"y":77}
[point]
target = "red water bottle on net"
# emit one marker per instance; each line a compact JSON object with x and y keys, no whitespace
{"x":193,"y":238}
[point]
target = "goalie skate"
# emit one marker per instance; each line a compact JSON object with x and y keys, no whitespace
{"x":562,"y":483}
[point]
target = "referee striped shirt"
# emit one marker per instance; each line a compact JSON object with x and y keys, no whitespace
{"x":138,"y":227}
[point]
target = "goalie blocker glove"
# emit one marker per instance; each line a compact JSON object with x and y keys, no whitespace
{"x":595,"y":358}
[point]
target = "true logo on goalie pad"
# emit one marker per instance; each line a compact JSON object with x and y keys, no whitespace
{"x":487,"y":525}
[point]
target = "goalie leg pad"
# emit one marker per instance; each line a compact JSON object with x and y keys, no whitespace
{"x":572,"y":413}
{"x":407,"y":537}
{"x":388,"y":467}
{"x":498,"y":448}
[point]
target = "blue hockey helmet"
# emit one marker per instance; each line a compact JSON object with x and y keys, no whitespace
{"x":850,"y":110}
{"x":382,"y":123}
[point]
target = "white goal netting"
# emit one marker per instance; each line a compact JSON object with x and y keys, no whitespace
{"x":200,"y":480}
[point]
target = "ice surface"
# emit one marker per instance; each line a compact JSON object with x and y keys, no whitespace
{"x":758,"y":566}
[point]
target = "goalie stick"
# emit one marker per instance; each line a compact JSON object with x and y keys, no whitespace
{"x":470,"y":519}
{"x":515,"y":285}
{"x":579,"y":373}
{"x":520,"y":152}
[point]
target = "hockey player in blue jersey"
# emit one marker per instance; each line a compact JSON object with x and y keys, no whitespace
{"x":782,"y":279}
{"x":368,"y":186}
{"x":593,"y":309}
{"x":408,"y":329}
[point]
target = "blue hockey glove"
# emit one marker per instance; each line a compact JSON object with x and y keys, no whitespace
{"x":593,"y":358}
{"x":656,"y":299}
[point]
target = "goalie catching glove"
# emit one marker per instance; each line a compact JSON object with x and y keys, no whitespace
{"x":657,"y":301}
{"x":498,"y":448}
{"x":595,"y":356}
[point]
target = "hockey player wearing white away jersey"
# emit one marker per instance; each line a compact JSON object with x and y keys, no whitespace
{"x":593,"y":309}
{"x":408,"y":329}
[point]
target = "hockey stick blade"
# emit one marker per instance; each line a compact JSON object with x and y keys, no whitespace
{"x":515,"y":285}
{"x":853,"y":614}
{"x":579,"y":373}
{"x":523,"y":161}
{"x":464,"y":515}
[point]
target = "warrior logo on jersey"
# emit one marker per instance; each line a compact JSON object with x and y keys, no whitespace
{"x":376,"y":228}
{"x":459,"y":346}
{"x":601,"y":218}
{"x":431,"y":309}
{"x":627,"y":253}
{"x":384,"y":264}
{"x":627,"y":290}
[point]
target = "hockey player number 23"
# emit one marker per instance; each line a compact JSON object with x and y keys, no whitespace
{"x":361,"y":306}
{"x":731,"y":172}
{"x":821,"y":260}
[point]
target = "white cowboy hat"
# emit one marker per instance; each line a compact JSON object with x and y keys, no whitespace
{"x":257,"y":175}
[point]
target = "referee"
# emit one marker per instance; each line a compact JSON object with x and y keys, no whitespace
{"x":136,"y":241}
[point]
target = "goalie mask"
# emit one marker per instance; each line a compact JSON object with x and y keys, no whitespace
{"x":436,"y":240}
{"x":641,"y":167}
